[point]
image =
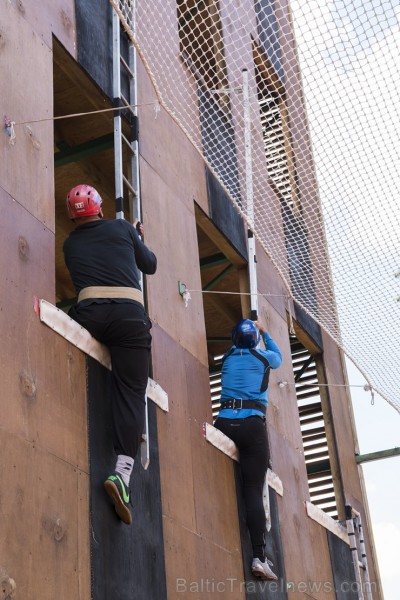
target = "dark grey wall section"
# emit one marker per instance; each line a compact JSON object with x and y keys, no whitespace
{"x":262,"y":590}
{"x":94,"y":39}
{"x":342,"y":567}
{"x":224,"y":214}
{"x":268,"y":34}
{"x":309,"y":325}
{"x":218,"y":139}
{"x":126,"y":561}
{"x":301,"y":271}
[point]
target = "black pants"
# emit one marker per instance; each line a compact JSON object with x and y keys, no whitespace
{"x":125,"y":329}
{"x":250,"y":437}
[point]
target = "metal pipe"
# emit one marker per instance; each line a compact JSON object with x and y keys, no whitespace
{"x":249,"y":197}
{"x":377,"y":455}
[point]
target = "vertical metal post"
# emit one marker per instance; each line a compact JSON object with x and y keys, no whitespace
{"x":134,"y":200}
{"x":249,"y":197}
{"x":119,"y":189}
{"x":134,"y":204}
{"x":133,"y":180}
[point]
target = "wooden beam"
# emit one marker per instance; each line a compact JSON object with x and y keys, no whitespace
{"x":71,"y":154}
{"x":223,"y":308}
{"x":69,"y":329}
{"x":218,"y":278}
{"x":207,"y":225}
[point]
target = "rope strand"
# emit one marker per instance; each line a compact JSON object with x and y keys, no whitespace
{"x":84,"y":114}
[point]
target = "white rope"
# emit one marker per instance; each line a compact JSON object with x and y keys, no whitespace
{"x":238,"y":293}
{"x":299,"y":386}
{"x":88,"y":113}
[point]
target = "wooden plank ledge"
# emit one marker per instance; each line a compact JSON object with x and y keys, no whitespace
{"x":318,"y":515}
{"x":77,"y":335}
{"x":225,"y":444}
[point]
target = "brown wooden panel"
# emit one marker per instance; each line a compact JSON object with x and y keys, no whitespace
{"x":170,"y":231}
{"x":213,"y":483}
{"x":43,"y":384}
{"x":198,"y":568}
{"x":176,"y":469}
{"x":54,"y":17}
{"x":298,"y":531}
{"x":83,"y":532}
{"x":44,"y":522}
{"x":197,"y":482}
{"x":167,"y":150}
{"x":270,"y":282}
{"x":26,"y":168}
{"x":346,"y":441}
{"x":282,"y":411}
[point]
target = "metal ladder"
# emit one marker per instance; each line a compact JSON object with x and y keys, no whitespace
{"x":129,"y":180}
{"x":358,"y":552}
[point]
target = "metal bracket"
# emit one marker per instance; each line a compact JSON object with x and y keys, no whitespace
{"x":181,"y":287}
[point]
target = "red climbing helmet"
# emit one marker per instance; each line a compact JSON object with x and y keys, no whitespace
{"x":83,"y":201}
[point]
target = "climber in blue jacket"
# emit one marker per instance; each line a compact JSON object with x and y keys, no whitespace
{"x":244,"y":400}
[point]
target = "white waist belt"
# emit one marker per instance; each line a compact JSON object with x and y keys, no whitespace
{"x":110,"y":292}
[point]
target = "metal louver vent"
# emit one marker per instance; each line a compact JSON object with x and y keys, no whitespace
{"x":274,"y":141}
{"x":312,"y":425}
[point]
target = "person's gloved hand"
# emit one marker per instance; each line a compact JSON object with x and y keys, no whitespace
{"x":138,"y":226}
{"x":260,"y":327}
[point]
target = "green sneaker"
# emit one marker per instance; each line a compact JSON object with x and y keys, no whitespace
{"x":116,"y":489}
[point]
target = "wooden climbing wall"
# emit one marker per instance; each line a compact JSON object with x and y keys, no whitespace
{"x":132,"y":557}
{"x":59,"y":534}
{"x":44,"y":481}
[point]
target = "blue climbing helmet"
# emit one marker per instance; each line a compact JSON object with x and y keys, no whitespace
{"x":245,"y":334}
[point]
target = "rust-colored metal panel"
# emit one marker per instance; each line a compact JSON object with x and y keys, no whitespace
{"x":26,"y":68}
{"x":41,"y":517}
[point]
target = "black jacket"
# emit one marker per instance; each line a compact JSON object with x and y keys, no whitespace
{"x":107,"y":253}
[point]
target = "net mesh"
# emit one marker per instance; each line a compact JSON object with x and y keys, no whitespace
{"x":323,"y":85}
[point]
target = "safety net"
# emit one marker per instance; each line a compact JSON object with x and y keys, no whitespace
{"x":294,"y":106}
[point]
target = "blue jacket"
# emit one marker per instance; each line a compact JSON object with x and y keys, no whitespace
{"x":246,"y":376}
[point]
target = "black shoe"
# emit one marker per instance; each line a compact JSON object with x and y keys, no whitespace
{"x":116,"y":489}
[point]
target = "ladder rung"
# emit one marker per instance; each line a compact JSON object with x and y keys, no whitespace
{"x":129,"y":185}
{"x":127,"y":104}
{"x":127,"y":67}
{"x":128,"y":143}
